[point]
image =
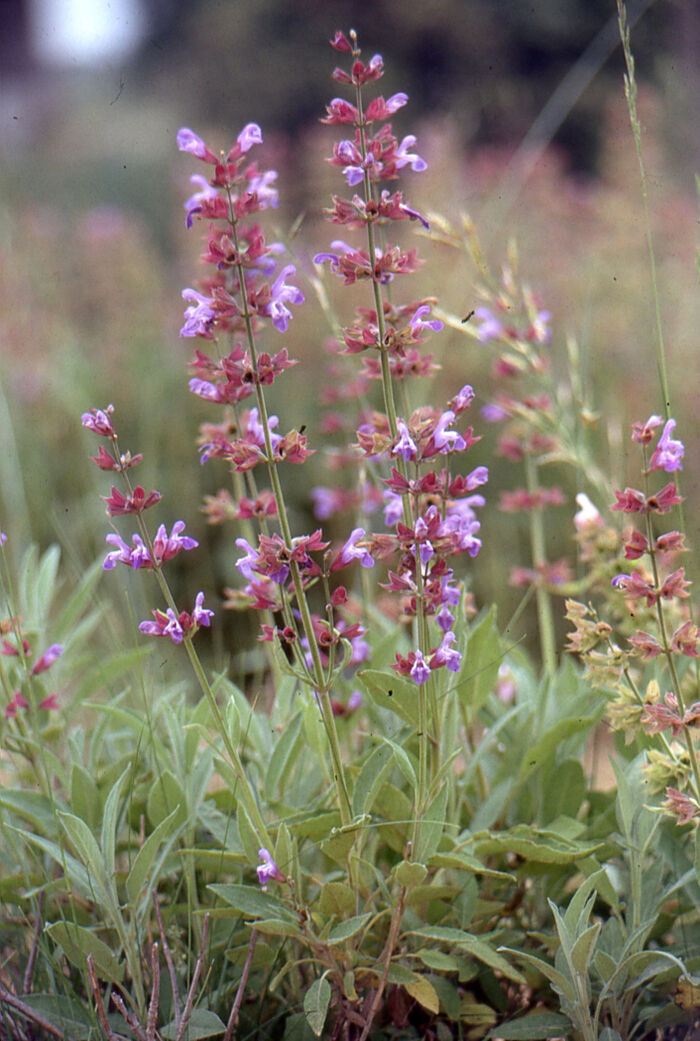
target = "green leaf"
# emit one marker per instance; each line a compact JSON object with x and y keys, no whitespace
{"x":165,"y":796}
{"x":539,"y":845}
{"x":250,"y":901}
{"x":555,"y":977}
{"x":284,"y":756}
{"x":109,"y":821}
{"x":108,"y":669}
{"x":350,"y":927}
{"x":249,"y":837}
{"x":202,"y":1023}
{"x":465,"y":862}
{"x":403,"y":761}
{"x":143,"y":861}
{"x":437,"y":960}
{"x":546,"y":748}
{"x":473,"y":945}
{"x":422,"y":991}
{"x":278,"y":927}
{"x":76,"y":874}
{"x":410,"y":873}
{"x":533,"y":1027}
{"x":84,"y":796}
{"x":88,"y":851}
{"x":371,"y":778}
{"x":316,"y":1002}
{"x":66,"y":1014}
{"x":32,"y":807}
{"x":482,"y":659}
{"x":391,"y":691}
{"x":336,"y":899}
{"x":431,"y":827}
{"x":583,"y":948}
{"x":77,"y":942}
{"x":341,"y":840}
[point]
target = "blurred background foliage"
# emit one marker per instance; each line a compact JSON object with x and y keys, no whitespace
{"x":519,"y":110}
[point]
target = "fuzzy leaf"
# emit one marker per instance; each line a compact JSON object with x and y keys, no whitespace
{"x":482,"y":659}
{"x":422,"y":990}
{"x":316,"y":1002}
{"x":251,"y":902}
{"x":77,"y":942}
{"x":66,"y":1014}
{"x":432,"y":827}
{"x":371,"y":778}
{"x":284,"y":756}
{"x":202,"y":1023}
{"x":143,"y":861}
{"x":350,"y":927}
{"x":533,"y":1027}
{"x":166,"y":795}
{"x":391,"y":691}
{"x":546,"y":748}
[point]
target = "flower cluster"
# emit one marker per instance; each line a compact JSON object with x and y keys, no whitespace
{"x":143,"y":552}
{"x":656,"y":594}
{"x":15,"y":646}
{"x":430,"y":508}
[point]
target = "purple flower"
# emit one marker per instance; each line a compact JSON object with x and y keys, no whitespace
{"x":405,"y":158}
{"x":188,"y":141}
{"x":250,"y":135}
{"x":200,"y":316}
{"x":3,"y":538}
{"x":262,"y":187}
{"x":418,"y":325}
{"x":445,"y":619}
{"x":395,"y":102}
{"x":165,"y":546}
{"x":477,"y":477}
{"x":463,"y":399}
{"x":420,"y":670}
{"x":201,"y":615}
{"x":281,"y":295}
{"x":405,"y":446}
{"x":47,"y":659}
{"x":446,"y":655}
{"x":194,"y":203}
{"x":668,"y":453}
{"x":444,"y":440}
{"x":166,"y":624}
{"x":256,"y":431}
{"x":246,"y":564}
{"x":393,"y":510}
{"x":268,"y":869}
{"x":490,"y":328}
{"x":351,"y":551}
{"x":493,"y":414}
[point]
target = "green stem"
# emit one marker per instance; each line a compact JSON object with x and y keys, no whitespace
{"x":542,"y":597}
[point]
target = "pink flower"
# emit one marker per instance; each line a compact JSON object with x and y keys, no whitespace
{"x":98,"y":421}
{"x":588,"y":516}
